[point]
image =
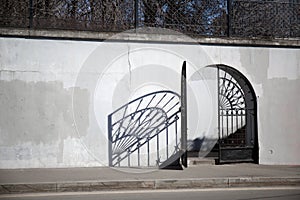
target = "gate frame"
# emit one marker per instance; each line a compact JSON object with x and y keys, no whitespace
{"x":239,"y":77}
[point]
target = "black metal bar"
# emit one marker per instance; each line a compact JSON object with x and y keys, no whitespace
{"x":161,"y":99}
{"x":128,"y":152}
{"x":167,"y":142}
{"x":168,"y":101}
{"x":172,"y":107}
{"x":157,"y":149}
{"x":248,"y":135}
{"x":219,"y":120}
{"x":30,"y":14}
{"x":148,"y":150}
{"x":109,"y":141}
{"x":138,"y":105}
{"x":232,"y":128}
{"x":242,"y":115}
{"x":237,"y":118}
{"x":138,"y":153}
{"x":226,"y":123}
{"x":136,"y":16}
{"x":229,"y":18}
{"x":183,"y":116}
{"x":222,"y":125}
{"x":176,"y":136}
{"x":151,"y":101}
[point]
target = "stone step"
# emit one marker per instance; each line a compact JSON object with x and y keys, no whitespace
{"x":201,"y":161}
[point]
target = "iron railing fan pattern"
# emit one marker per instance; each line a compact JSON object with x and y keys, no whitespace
{"x":232,"y":111}
{"x":141,"y":125}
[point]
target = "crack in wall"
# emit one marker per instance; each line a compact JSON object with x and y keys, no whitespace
{"x":129,"y":66}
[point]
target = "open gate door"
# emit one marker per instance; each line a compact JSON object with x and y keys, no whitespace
{"x":145,"y":131}
{"x":237,"y":117}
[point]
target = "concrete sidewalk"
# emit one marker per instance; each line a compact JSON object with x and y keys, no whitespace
{"x":104,"y":178}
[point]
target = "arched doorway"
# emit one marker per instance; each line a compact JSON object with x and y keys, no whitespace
{"x":237,"y":117}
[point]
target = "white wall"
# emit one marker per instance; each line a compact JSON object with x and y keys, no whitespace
{"x":55,"y":95}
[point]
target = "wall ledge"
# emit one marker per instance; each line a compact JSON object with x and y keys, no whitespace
{"x":147,"y":37}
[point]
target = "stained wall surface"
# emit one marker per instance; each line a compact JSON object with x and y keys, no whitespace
{"x":55,"y":96}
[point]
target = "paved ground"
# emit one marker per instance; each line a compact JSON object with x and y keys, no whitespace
{"x":105,"y":173}
{"x":100,"y":179}
{"x":208,"y":194}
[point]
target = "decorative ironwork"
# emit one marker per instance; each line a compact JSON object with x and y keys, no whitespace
{"x":142,"y":124}
{"x":221,"y":18}
{"x":232,"y":108}
{"x":237,"y":117}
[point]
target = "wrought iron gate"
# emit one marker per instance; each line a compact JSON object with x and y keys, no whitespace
{"x":237,"y":117}
{"x":141,"y":132}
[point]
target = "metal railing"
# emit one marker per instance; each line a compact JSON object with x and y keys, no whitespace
{"x":219,"y":18}
{"x":144,"y":132}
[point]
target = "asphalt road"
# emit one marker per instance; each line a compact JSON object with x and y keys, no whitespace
{"x":291,"y":193}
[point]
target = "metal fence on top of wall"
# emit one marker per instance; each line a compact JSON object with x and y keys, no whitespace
{"x":212,"y":18}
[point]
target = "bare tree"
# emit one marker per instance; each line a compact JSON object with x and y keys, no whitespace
{"x":246,"y":18}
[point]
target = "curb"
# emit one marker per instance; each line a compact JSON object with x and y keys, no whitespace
{"x":86,"y":186}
